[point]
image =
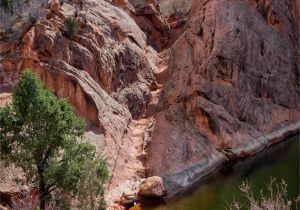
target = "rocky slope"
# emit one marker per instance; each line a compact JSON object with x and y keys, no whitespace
{"x":167,"y":91}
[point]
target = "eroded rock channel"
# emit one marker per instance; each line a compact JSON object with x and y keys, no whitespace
{"x":167,"y":89}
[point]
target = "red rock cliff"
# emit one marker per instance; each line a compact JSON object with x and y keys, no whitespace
{"x":232,"y":79}
{"x":172,"y":94}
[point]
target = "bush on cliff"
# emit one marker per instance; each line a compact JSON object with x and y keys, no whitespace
{"x":70,"y":26}
{"x":39,"y":134}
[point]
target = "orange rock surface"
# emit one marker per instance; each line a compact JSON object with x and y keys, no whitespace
{"x":174,"y":93}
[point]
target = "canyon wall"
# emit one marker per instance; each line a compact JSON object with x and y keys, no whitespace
{"x":230,"y":86}
{"x":167,"y":91}
{"x":233,"y":77}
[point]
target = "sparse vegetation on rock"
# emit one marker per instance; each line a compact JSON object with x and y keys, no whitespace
{"x":6,"y":4}
{"x":70,"y":26}
{"x":40,"y":135}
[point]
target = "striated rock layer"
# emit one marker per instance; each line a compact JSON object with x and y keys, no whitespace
{"x":233,"y":78}
{"x":105,"y":70}
{"x":172,"y":94}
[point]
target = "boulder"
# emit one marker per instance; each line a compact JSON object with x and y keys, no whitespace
{"x":152,"y":187}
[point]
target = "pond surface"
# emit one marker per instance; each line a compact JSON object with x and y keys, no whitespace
{"x":218,"y":189}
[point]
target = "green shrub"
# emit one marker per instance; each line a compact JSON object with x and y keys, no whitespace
{"x":70,"y":26}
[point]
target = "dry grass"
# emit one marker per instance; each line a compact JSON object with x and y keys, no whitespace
{"x":273,"y":197}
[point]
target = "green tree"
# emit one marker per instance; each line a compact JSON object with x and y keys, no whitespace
{"x":39,"y":134}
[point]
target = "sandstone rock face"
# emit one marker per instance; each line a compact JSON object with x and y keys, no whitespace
{"x":152,"y":187}
{"x":104,"y":70}
{"x":146,"y":14}
{"x":167,"y":91}
{"x":233,"y":77}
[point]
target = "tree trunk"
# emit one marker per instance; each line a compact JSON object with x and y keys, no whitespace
{"x":42,"y":195}
{"x":42,"y":190}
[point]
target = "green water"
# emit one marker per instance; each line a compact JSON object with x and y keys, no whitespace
{"x":212,"y":193}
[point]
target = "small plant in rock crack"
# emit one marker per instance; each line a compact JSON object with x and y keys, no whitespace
{"x":6,"y":4}
{"x":70,"y":26}
{"x":33,"y":17}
